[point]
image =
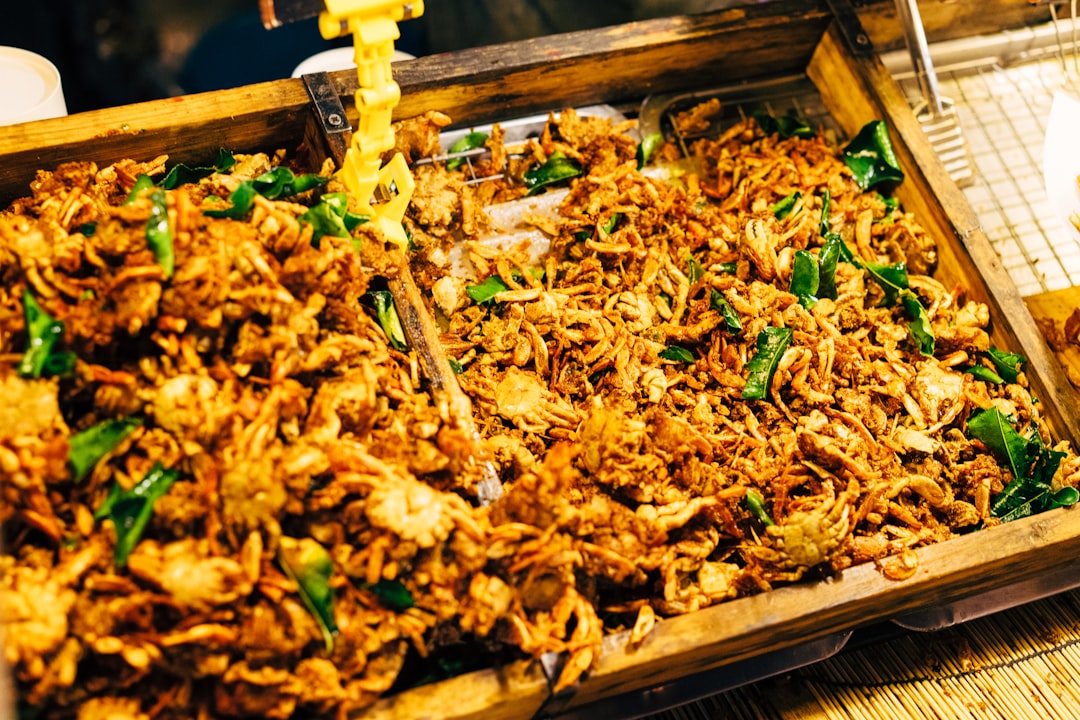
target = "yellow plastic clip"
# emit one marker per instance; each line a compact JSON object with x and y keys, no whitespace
{"x":373,"y":24}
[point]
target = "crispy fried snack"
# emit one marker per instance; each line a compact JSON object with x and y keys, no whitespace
{"x":226,"y":491}
{"x":633,"y":354}
{"x":299,"y":439}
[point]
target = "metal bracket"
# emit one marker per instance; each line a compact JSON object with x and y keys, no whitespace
{"x":276,"y":13}
{"x":551,"y":663}
{"x":331,"y":121}
{"x":851,"y":28}
{"x":706,"y":683}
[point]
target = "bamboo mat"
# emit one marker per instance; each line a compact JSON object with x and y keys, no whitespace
{"x":1016,"y":664}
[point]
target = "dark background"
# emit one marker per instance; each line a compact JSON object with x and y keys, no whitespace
{"x":115,"y":52}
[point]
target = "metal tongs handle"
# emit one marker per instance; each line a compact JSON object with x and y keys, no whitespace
{"x":915,"y":35}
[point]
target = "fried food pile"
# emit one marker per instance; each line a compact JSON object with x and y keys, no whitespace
{"x":227,"y":492}
{"x":1063,"y":337}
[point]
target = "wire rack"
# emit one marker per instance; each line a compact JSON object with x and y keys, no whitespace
{"x":1002,"y":88}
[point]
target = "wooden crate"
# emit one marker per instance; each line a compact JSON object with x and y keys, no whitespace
{"x":821,"y":39}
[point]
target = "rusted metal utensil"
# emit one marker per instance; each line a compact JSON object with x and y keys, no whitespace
{"x":276,"y":13}
{"x":417,"y":323}
{"x":936,"y":114}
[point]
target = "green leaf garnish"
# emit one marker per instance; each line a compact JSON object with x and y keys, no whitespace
{"x":389,"y":319}
{"x":42,"y":334}
{"x":59,"y":364}
{"x":331,"y":216}
{"x":87,"y":448}
{"x":647,"y":147}
{"x":470,"y":141}
{"x":805,"y":278}
{"x":88,"y":229}
{"x":393,"y":594}
{"x":845,"y":252}
{"x":993,"y":430}
{"x":307,"y":563}
{"x":722,"y":306}
{"x":1032,"y":493}
{"x":457,"y":367}
{"x":225,"y":160}
{"x":891,"y":278}
{"x":730,"y":267}
{"x":1032,"y":464}
{"x":274,"y":184}
{"x":1065,"y":497}
{"x":445,"y":662}
{"x":827,"y":260}
{"x":985,"y":374}
{"x":756,"y":503}
{"x":787,"y":126}
{"x":242,"y":199}
{"x":826,"y":201}
{"x":597,"y":376}
{"x":130,"y":510}
{"x":695,"y":270}
{"x":181,"y":174}
{"x":677,"y":353}
{"x":871,"y":157}
{"x":142,"y":182}
{"x":1043,"y":462}
{"x":919,"y":324}
{"x":281,"y":182}
{"x":782,"y":208}
{"x":487,"y":290}
{"x":609,"y":227}
{"x":1007,"y":364}
{"x":159,"y":237}
{"x":493,"y":285}
{"x":771,"y":344}
{"x":891,"y":203}
{"x":556,"y":169}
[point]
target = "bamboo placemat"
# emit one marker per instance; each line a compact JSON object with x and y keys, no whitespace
{"x":1019,"y":663}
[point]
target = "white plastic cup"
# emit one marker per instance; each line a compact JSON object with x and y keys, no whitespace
{"x":30,"y":87}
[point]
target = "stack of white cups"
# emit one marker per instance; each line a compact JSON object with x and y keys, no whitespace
{"x":30,"y":87}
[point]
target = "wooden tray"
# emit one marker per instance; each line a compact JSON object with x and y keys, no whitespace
{"x":822,"y":39}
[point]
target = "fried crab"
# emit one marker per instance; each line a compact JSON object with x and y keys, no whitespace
{"x":227,"y":490}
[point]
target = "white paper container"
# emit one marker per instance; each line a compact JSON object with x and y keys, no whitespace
{"x":30,"y":87}
{"x":1061,"y":160}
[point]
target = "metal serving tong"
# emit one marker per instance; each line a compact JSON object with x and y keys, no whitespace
{"x":373,"y":24}
{"x":935,"y":113}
